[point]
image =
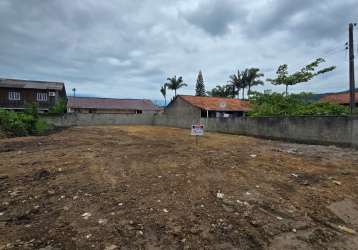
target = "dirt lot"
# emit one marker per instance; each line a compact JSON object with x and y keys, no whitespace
{"x":141,"y":187}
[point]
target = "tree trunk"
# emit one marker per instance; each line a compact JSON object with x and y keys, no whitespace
{"x":249,"y":90}
{"x":165,"y":100}
{"x":286,"y":89}
{"x":175,"y":92}
{"x":243,"y":93}
{"x":233,"y":91}
{"x":238,"y":93}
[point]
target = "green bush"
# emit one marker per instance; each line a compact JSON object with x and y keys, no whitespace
{"x":41,"y":126}
{"x":22,"y":124}
{"x":277,"y":104}
{"x":59,"y":108}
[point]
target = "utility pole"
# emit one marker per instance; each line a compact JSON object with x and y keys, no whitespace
{"x":352,"y":100}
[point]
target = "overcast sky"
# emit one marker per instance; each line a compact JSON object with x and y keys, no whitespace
{"x":127,"y":49}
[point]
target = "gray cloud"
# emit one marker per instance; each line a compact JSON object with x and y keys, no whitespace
{"x":308,"y":20}
{"x":120,"y":48}
{"x":215,"y":16}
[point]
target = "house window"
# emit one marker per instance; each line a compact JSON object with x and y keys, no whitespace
{"x":14,"y":96}
{"x":41,"y":97}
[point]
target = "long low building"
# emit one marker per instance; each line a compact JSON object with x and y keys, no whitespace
{"x":111,"y":105}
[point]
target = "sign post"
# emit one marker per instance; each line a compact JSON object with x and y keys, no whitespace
{"x":197,"y":130}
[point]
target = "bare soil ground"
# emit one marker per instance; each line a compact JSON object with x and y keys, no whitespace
{"x":137,"y":187}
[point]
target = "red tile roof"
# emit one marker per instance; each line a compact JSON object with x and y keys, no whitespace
{"x":110,"y":103}
{"x":217,"y":103}
{"x":341,"y":98}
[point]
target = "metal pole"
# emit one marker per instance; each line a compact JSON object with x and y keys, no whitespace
{"x":351,"y":70}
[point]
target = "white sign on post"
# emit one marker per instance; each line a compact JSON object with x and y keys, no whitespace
{"x":197,"y":129}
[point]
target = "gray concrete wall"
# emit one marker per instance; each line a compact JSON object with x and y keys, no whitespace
{"x":78,"y":119}
{"x":178,"y":114}
{"x":321,"y":130}
{"x":337,"y":130}
{"x":355,"y":132}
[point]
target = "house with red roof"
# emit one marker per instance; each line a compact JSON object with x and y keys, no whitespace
{"x":111,"y":105}
{"x":196,"y":107}
{"x":339,"y":98}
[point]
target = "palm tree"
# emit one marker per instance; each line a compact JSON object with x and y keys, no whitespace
{"x":252,"y":78}
{"x":174,"y":83}
{"x":236,"y":80}
{"x":244,"y":81}
{"x":163,"y":90}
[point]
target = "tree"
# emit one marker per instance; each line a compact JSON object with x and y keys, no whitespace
{"x":244,"y":81}
{"x":304,"y":75}
{"x":252,"y":78}
{"x":277,"y":104}
{"x":200,"y":87}
{"x":223,"y":91}
{"x":175,"y":83}
{"x":236,"y":81}
{"x":163,"y":90}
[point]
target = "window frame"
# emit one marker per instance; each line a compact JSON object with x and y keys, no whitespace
{"x":14,"y":95}
{"x":42,"y":96}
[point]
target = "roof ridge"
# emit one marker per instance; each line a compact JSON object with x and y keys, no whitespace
{"x":111,"y":98}
{"x":27,"y":80}
{"x":219,"y":97}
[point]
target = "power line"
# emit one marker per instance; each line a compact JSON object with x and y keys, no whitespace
{"x":334,"y":50}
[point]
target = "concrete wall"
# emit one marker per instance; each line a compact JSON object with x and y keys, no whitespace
{"x":78,"y":119}
{"x":179,"y":114}
{"x":320,"y":130}
{"x":337,"y":130}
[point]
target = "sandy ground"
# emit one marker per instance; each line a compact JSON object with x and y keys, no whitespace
{"x":137,"y":187}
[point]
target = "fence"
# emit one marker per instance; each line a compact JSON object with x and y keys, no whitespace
{"x":339,"y":130}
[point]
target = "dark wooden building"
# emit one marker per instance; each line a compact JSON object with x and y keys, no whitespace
{"x":16,"y":94}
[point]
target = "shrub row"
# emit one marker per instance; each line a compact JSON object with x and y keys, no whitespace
{"x":22,"y":123}
{"x":276,"y":104}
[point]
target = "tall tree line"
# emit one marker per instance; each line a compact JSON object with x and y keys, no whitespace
{"x":238,"y":82}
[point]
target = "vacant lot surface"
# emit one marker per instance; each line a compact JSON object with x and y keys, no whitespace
{"x":142,"y":187}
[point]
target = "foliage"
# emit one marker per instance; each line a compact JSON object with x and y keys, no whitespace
{"x":227,"y":91}
{"x":277,"y":104}
{"x":22,"y":124}
{"x":246,"y":79}
{"x":200,"y":87}
{"x":251,"y":78}
{"x":163,"y":90}
{"x":32,"y":109}
{"x":59,"y":108}
{"x":304,"y":75}
{"x":41,"y":126}
{"x":237,"y":84}
{"x":175,"y":83}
